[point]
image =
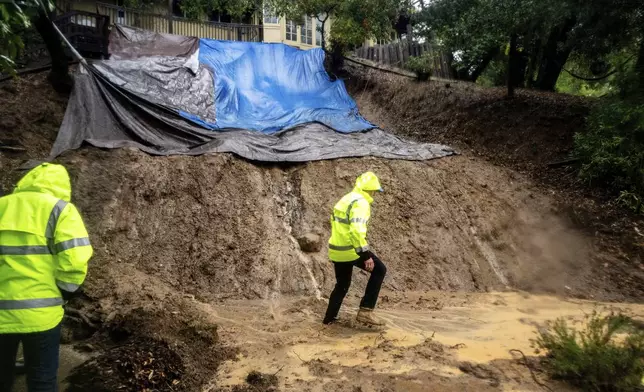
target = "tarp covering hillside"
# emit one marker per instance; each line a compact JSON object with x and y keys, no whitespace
{"x":269,"y":87}
{"x":269,"y":102}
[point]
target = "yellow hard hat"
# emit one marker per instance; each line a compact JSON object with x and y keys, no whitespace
{"x":368,"y":182}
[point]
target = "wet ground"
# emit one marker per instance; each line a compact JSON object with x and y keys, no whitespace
{"x":433,"y":339}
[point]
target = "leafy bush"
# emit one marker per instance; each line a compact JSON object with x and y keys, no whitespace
{"x":612,"y":150}
{"x":607,"y":356}
{"x":495,"y":74}
{"x":422,"y":65}
{"x":12,"y":17}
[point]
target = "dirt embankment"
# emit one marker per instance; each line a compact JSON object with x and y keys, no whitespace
{"x":183,"y":242}
{"x":218,"y":227}
{"x":525,"y":134}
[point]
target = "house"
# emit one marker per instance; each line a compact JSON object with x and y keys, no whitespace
{"x":303,"y":34}
{"x":254,"y":27}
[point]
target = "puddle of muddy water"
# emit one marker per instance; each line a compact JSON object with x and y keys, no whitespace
{"x":484,"y":329}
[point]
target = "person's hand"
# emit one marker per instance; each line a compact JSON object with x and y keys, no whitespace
{"x":368,"y":265}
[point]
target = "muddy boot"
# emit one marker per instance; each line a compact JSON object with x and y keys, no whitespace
{"x":366,"y":316}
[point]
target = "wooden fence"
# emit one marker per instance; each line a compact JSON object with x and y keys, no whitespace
{"x":398,"y":53}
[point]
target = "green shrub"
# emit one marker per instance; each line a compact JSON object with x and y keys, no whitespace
{"x":612,"y":149}
{"x":422,"y":65}
{"x":606,"y":356}
{"x":495,"y":74}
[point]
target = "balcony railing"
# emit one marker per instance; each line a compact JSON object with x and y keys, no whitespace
{"x":171,"y":24}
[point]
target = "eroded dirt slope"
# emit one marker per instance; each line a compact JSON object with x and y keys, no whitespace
{"x":219,"y":227}
{"x":186,"y":243}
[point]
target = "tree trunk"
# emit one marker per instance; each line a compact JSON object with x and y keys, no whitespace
{"x":489,"y":56}
{"x":59,"y":75}
{"x":453,"y":72}
{"x":639,"y":67}
{"x":532,"y":62}
{"x":323,"y":34}
{"x":170,"y":15}
{"x":461,"y":74}
{"x":512,"y":65}
{"x":553,"y":59}
{"x":334,"y":60}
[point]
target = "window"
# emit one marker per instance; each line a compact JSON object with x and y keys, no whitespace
{"x":291,"y":31}
{"x":307,"y":31}
{"x":318,"y":32}
{"x":220,"y":16}
{"x":84,"y":20}
{"x":269,"y":15}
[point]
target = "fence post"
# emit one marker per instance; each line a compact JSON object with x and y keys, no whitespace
{"x":405,"y":52}
{"x":401,"y":58}
{"x":448,"y":71}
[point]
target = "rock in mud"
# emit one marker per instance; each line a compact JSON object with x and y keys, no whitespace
{"x":256,"y":382}
{"x":310,"y":242}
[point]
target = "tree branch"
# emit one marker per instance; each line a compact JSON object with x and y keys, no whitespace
{"x":614,"y":71}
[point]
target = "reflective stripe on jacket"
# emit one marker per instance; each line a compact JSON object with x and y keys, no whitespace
{"x":349,"y":226}
{"x":44,"y":248}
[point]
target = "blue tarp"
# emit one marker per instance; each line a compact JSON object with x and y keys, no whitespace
{"x":270,"y":87}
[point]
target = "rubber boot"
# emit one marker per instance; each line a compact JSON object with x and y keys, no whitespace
{"x":332,"y":321}
{"x":366,"y":316}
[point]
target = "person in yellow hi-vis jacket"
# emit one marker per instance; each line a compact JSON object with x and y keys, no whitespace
{"x":348,"y":247}
{"x":44,"y":251}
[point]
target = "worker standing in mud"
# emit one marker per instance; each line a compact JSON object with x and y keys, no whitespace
{"x":348,"y":247}
{"x":44,"y":251}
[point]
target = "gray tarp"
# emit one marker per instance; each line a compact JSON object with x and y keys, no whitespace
{"x":131,"y":43}
{"x":174,"y":82}
{"x":107,"y":115}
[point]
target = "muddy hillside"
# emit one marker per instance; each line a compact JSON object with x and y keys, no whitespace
{"x":219,"y":227}
{"x":179,"y":239}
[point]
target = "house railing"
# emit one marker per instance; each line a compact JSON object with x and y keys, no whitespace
{"x":171,"y":24}
{"x":86,"y":31}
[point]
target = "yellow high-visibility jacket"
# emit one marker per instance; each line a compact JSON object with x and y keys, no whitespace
{"x":44,"y":248}
{"x":349,"y":226}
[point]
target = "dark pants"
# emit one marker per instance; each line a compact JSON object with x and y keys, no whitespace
{"x":343,"y":272}
{"x":40,"y":350}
